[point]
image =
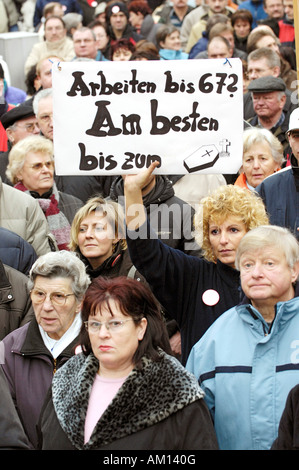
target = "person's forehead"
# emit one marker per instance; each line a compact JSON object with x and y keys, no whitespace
{"x":217,"y":46}
{"x":267,"y":94}
{"x":242,"y":22}
{"x":260,"y":63}
{"x":53,"y":22}
{"x":46,"y":66}
{"x":27,"y":120}
{"x":45,"y":105}
{"x":82,"y":35}
{"x":270,"y":3}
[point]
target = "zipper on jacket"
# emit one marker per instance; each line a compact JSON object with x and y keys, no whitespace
{"x":55,"y":366}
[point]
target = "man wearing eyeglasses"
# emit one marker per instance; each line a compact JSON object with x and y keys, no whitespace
{"x":280,"y":191}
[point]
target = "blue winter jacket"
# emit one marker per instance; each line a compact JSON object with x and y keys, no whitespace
{"x":280,"y":194}
{"x":247,"y":369}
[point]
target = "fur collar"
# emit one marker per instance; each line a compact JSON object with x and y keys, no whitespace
{"x":147,"y":396}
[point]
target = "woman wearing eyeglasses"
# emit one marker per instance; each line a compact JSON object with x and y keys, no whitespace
{"x":124,"y":391}
{"x":34,"y":352}
{"x":31,"y":170}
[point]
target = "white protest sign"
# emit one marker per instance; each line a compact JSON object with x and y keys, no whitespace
{"x":117,"y":117}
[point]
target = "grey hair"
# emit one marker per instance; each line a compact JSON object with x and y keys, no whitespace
{"x":255,"y":135}
{"x":39,"y":96}
{"x":268,"y":236}
{"x":64,"y":264}
{"x":271,"y":56}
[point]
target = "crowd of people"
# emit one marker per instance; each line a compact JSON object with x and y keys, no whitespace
{"x":163,"y":331}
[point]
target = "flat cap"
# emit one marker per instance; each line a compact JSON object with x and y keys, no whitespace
{"x":22,"y":111}
{"x":267,"y":84}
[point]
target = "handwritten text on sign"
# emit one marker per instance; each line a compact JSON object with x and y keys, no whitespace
{"x":115,"y":118}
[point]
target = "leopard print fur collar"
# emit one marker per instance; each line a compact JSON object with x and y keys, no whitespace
{"x":148,"y":396}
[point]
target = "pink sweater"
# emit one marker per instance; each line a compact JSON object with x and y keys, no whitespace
{"x":102,"y":393}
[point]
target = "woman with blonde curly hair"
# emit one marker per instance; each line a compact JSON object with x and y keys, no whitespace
{"x":195,"y":291}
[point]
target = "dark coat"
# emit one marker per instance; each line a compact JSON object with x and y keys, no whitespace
{"x":159,"y":407}
{"x":29,"y":369}
{"x":15,"y":303}
{"x":118,"y":264}
{"x":280,"y":193}
{"x":288,"y":431}
{"x":174,"y":229}
{"x":179,"y":281}
{"x":84,"y":186}
{"x":12,"y":436}
{"x":16,"y":252}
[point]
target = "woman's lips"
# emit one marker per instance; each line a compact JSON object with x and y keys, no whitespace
{"x":103,"y":347}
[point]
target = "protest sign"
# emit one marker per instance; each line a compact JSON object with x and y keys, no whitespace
{"x":117,"y":117}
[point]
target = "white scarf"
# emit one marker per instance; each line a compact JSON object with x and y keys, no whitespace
{"x":57,"y":346}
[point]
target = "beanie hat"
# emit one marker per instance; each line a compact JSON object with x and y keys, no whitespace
{"x":116,"y":7}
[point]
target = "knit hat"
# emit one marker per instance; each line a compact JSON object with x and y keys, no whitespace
{"x":116,"y":7}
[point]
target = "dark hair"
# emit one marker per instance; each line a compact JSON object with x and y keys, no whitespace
{"x":141,"y":6}
{"x":29,"y":81}
{"x":123,"y":43}
{"x":241,"y":14}
{"x":164,"y":31}
{"x":134,"y":300}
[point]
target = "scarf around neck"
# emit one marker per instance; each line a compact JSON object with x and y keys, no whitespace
{"x":58,"y":223}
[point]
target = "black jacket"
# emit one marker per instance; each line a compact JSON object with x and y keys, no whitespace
{"x":170,"y":216}
{"x":15,"y":303}
{"x":288,"y":431}
{"x":118,"y":264}
{"x":12,"y":436}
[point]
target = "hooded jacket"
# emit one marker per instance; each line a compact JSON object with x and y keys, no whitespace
{"x":247,"y":368}
{"x":170,"y":216}
{"x":158,"y":407}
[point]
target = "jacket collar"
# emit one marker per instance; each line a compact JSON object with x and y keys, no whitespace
{"x":142,"y":401}
{"x":228,"y":274}
{"x":34,"y":345}
{"x":6,"y":291}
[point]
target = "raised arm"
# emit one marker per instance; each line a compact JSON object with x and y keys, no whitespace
{"x":133,"y":185}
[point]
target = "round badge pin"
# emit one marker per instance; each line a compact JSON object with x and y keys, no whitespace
{"x":210,"y":297}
